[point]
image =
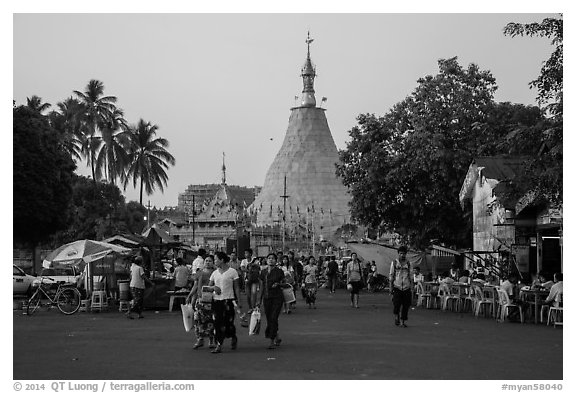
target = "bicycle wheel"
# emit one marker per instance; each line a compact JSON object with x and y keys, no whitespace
{"x":33,"y":303}
{"x":68,"y":301}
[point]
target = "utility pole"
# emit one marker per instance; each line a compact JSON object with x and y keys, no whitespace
{"x":148,"y":206}
{"x":284,"y":197}
{"x":193,"y":219}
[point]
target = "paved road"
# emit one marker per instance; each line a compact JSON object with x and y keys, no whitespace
{"x":332,"y":342}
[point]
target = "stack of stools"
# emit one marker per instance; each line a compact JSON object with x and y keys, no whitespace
{"x":99,"y":300}
{"x":124,"y":306}
{"x":124,"y":289}
{"x":85,"y":305}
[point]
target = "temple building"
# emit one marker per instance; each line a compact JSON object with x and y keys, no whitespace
{"x":301,"y":189}
{"x":210,"y":215}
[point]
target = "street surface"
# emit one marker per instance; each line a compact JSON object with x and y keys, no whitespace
{"x":332,"y":342}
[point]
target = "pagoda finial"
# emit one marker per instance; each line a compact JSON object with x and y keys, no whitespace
{"x":223,"y":168}
{"x":308,"y":75}
{"x":309,"y":41}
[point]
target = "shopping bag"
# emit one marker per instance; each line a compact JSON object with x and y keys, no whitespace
{"x":288,"y":294}
{"x":254,"y":328}
{"x":187,"y":316}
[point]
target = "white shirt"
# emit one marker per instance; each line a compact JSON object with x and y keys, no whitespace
{"x":197,"y":264}
{"x":225,"y":281}
{"x":556,"y":289}
{"x":136,"y":273}
{"x":244,"y":264}
{"x":181,"y":275}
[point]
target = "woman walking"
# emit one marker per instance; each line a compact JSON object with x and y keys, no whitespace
{"x":271,"y":279}
{"x":203,"y":319}
{"x":310,"y":282}
{"x":289,"y":279}
{"x":354,"y":279}
{"x":225,"y":284}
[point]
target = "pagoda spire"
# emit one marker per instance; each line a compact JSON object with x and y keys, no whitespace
{"x":223,"y":168}
{"x":308,"y":75}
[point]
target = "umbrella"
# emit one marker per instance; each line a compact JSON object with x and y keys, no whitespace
{"x":82,"y":251}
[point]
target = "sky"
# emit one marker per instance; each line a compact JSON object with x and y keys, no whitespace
{"x":225,"y":83}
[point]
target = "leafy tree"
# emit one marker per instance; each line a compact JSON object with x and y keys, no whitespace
{"x":97,"y":207}
{"x":543,"y":174}
{"x":405,"y":169}
{"x":148,"y":158}
{"x":42,"y":177}
{"x":550,"y":81}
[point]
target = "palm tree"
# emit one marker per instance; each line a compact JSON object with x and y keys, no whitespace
{"x":68,"y":121}
{"x":112,"y":157}
{"x":98,"y":109}
{"x":148,"y":158}
{"x":35,"y":103}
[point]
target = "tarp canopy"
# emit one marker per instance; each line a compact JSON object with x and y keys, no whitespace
{"x":384,"y":256}
{"x":156,"y":235}
{"x":81,"y":251}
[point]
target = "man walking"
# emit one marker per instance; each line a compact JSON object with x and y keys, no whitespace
{"x":332,"y":273}
{"x":401,"y":284}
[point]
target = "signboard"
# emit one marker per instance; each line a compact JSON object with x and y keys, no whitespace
{"x":103,"y":266}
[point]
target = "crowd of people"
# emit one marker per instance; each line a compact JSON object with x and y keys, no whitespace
{"x":218,"y":283}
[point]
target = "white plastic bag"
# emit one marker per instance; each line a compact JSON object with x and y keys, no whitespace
{"x":254,"y":328}
{"x":187,"y":316}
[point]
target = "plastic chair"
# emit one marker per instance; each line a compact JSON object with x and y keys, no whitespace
{"x":423,"y":298}
{"x":466,"y":299}
{"x":446,"y":297}
{"x":504,"y":306}
{"x":481,"y":303}
{"x":489,"y":294}
{"x":556,"y":311}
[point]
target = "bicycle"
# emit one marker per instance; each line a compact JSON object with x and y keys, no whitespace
{"x":66,"y":298}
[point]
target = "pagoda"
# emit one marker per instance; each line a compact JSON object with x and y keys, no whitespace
{"x":301,"y":189}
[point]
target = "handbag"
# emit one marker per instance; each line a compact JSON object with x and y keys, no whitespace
{"x":254,"y":328}
{"x":187,"y":316}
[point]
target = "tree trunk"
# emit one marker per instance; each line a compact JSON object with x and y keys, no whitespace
{"x":141,"y":186}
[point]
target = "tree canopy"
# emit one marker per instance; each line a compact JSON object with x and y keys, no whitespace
{"x":42,"y":177}
{"x":543,"y":173}
{"x":405,"y":169}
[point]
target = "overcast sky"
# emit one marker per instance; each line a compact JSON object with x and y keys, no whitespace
{"x":218,"y":83}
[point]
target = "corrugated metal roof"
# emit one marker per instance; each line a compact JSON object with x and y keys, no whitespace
{"x":500,"y":168}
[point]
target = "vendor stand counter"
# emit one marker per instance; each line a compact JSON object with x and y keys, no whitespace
{"x":157,"y":297}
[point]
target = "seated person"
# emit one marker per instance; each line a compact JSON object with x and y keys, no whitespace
{"x":418,"y":277}
{"x":454,"y":272}
{"x":542,"y":281}
{"x":492,"y":280}
{"x":557,"y":289}
{"x":479,"y":280}
{"x":445,"y":278}
{"x":464,"y":277}
{"x":510,"y":286}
